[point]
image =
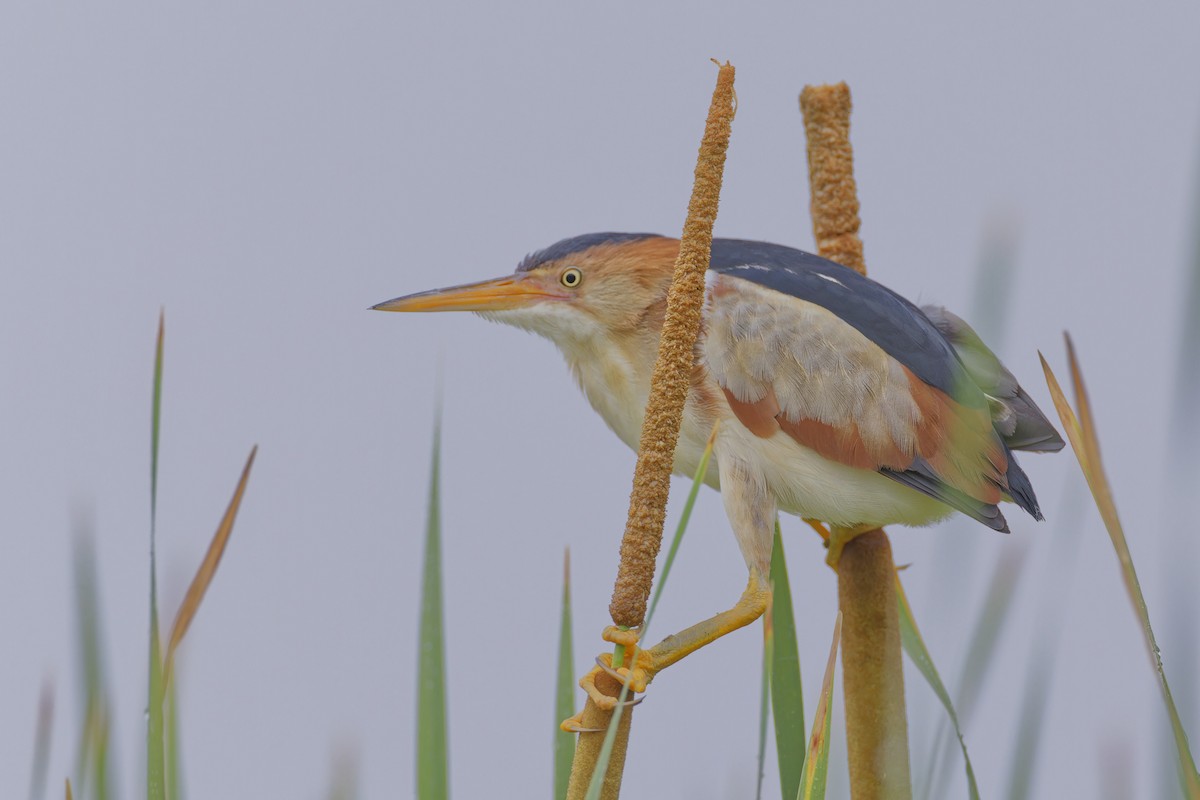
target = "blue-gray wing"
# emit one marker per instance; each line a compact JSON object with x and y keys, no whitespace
{"x":855,"y":372}
{"x":894,"y":324}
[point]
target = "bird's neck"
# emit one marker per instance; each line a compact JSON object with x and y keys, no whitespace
{"x":614,"y":375}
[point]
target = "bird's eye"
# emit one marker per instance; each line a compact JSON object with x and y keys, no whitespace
{"x":571,"y":277}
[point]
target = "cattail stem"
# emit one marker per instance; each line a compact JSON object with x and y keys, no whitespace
{"x":872,"y":675}
{"x":587,"y":750}
{"x":873,"y":678}
{"x":660,"y":432}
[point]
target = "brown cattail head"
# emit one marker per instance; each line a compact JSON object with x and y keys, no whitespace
{"x":831,"y":174}
{"x":672,"y":371}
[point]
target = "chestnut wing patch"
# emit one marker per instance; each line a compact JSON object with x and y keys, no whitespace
{"x":794,"y":367}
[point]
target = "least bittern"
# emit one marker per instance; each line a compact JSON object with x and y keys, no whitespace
{"x":837,"y":399}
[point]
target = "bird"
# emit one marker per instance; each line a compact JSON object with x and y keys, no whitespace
{"x":833,"y":398}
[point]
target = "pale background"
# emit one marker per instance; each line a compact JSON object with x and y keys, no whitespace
{"x":267,"y":171}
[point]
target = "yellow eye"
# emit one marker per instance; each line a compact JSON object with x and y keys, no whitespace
{"x":571,"y":277}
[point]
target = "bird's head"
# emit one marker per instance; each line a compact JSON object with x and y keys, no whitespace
{"x":599,"y":284}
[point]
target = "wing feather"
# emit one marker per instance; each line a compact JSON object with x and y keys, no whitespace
{"x":790,"y":365}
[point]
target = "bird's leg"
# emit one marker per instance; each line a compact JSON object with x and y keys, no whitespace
{"x":751,"y":510}
{"x":820,"y":528}
{"x":645,"y":664}
{"x":749,"y":607}
{"x":839,"y":538}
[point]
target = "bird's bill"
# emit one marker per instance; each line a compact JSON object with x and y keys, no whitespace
{"x":499,"y":294}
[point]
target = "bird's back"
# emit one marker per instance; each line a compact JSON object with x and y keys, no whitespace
{"x":846,"y":367}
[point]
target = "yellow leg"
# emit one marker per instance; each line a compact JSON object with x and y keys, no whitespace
{"x":820,"y":528}
{"x":839,"y":538}
{"x":648,"y":663}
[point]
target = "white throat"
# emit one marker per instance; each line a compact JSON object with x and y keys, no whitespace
{"x":612,"y":377}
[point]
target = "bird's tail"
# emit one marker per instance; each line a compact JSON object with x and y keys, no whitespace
{"x":1020,"y":489}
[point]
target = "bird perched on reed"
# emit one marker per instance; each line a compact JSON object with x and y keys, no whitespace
{"x":837,"y":400}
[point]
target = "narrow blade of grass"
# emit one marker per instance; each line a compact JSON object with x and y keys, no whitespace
{"x":155,"y":419}
{"x":41,"y":741}
{"x":816,"y":763}
{"x":101,"y":757}
{"x":985,"y":635}
{"x":596,"y":784}
{"x":685,"y":517}
{"x":174,"y":765}
{"x":1081,"y":432}
{"x":208,"y":568}
{"x":91,"y":767}
{"x":564,"y":704}
{"x":610,"y":735}
{"x":914,"y":645}
{"x":156,"y":788}
{"x":1034,"y":701}
{"x":433,"y":769}
{"x":344,"y":783}
{"x":787,"y":695}
{"x":1035,"y":696}
{"x":155,"y":778}
{"x":1181,"y":552}
{"x":764,"y":704}
{"x":1187,"y":370}
{"x":994,"y":280}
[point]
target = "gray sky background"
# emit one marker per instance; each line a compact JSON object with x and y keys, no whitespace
{"x":266,"y":171}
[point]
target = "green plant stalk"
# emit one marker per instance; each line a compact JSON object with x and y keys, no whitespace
{"x":787,"y":695}
{"x":1081,"y":432}
{"x":433,"y":773}
{"x":156,"y":787}
{"x":1036,"y":697}
{"x":564,"y":705}
{"x":985,"y":636}
{"x":343,"y":783}
{"x":155,"y":777}
{"x":914,"y":645}
{"x":600,"y":754}
{"x":685,"y":517}
{"x":91,"y":766}
{"x":1182,"y":552}
{"x":764,"y":705}
{"x":174,"y":765}
{"x":816,"y":762}
{"x":607,"y":744}
{"x":41,"y":742}
{"x":1033,"y":708}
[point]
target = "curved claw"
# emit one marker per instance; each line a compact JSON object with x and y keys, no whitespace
{"x":636,"y":680}
{"x":575,"y":725}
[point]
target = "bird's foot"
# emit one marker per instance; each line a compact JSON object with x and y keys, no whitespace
{"x":839,"y":538}
{"x":639,"y":666}
{"x":635,"y":678}
{"x":574,"y":724}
